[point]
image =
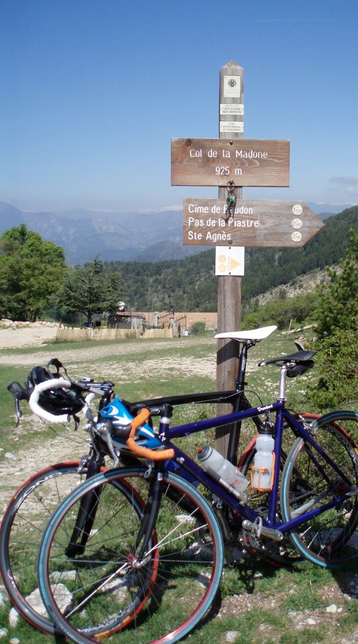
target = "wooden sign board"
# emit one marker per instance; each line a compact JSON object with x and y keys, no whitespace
{"x":255,"y":223}
{"x":214,"y":162}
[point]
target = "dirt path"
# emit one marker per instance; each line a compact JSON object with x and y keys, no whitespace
{"x":23,"y":334}
{"x":66,"y":445}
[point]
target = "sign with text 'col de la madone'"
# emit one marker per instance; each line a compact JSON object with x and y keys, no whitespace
{"x":214,"y":162}
{"x":254,"y":223}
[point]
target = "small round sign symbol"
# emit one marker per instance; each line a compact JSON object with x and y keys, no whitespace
{"x":296,"y":237}
{"x":297,"y":209}
{"x":297,"y":223}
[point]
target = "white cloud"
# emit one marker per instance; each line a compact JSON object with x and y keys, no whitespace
{"x":344,"y":180}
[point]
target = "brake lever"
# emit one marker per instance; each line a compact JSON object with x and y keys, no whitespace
{"x":19,"y":393}
{"x":18,"y":411}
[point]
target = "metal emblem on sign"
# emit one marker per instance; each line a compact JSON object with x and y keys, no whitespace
{"x":232,"y":86}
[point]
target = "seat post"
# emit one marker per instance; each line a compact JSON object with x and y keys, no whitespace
{"x":234,"y":436}
{"x":241,"y":371}
{"x":282,"y":384}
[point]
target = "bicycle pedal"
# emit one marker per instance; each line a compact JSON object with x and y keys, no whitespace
{"x":259,"y":530}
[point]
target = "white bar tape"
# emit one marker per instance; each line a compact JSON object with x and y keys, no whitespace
{"x":53,"y":383}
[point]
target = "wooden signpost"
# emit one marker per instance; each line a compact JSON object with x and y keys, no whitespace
{"x":230,"y":163}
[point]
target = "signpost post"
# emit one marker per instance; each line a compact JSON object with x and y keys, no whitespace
{"x":230,"y":163}
{"x":231,"y":128}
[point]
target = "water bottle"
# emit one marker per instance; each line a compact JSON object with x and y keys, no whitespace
{"x":262,"y":470}
{"x":220,"y":469}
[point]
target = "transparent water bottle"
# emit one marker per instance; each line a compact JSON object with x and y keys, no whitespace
{"x":220,"y":469}
{"x":262,"y":470}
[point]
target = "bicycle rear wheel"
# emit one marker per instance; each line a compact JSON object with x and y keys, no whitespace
{"x":155,"y":597}
{"x":309,"y":482}
{"x":22,"y":527}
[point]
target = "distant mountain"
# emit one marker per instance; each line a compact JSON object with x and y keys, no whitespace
{"x":168,"y":250}
{"x":114,"y":236}
{"x":9,"y":216}
{"x":150,"y":236}
{"x":324,"y":210}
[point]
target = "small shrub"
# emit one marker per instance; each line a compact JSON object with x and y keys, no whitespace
{"x":198,"y":328}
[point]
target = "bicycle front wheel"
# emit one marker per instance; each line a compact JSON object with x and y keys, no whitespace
{"x":155,"y":596}
{"x":310,"y":483}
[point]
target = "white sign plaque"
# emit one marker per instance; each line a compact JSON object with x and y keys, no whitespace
{"x":232,"y":87}
{"x":230,"y":260}
{"x":231,"y":108}
{"x":231,"y":126}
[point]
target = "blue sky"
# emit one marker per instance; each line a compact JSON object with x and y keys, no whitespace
{"x":93,"y":91}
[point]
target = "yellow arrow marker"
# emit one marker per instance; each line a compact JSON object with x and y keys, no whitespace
{"x":233,"y":263}
{"x":227,"y":263}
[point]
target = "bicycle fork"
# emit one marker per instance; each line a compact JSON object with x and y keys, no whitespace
{"x":149,"y":518}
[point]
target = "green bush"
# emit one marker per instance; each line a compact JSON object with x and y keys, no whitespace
{"x":337,"y":334}
{"x":198,"y":328}
{"x":281,"y":312}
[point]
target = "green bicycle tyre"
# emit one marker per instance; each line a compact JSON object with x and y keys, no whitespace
{"x":115,"y":597}
{"x":22,"y":527}
{"x":329,"y":539}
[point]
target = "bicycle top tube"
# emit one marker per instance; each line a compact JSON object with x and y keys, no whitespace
{"x":248,"y":339}
{"x":208,"y":423}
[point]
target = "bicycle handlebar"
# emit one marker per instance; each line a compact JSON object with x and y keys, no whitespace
{"x":53,"y":383}
{"x":145,"y":452}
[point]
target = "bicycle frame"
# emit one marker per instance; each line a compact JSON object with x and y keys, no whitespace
{"x":270,"y":526}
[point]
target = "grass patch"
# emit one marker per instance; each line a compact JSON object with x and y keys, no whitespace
{"x":142,"y":369}
{"x":349,"y":621}
{"x":305,"y":636}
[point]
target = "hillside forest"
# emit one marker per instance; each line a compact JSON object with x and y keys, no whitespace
{"x":191,"y":285}
{"x":35,"y":282}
